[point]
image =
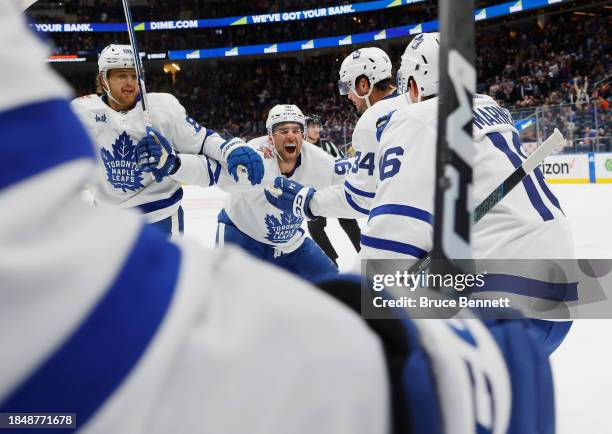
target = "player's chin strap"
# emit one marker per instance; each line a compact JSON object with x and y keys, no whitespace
{"x":366,"y":96}
{"x":408,"y":97}
{"x":106,"y":88}
{"x":274,"y":147}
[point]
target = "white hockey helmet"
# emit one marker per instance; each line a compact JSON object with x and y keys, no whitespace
{"x":114,"y":57}
{"x":284,"y":113}
{"x":372,"y":62}
{"x":420,"y":62}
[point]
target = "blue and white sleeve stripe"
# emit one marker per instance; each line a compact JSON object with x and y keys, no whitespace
{"x":93,"y":362}
{"x":393,"y":246}
{"x":402,"y":210}
{"x":57,"y":138}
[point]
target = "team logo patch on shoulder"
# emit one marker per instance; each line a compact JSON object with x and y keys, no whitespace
{"x":267,"y":151}
{"x":381,"y":123}
{"x":121,"y":168}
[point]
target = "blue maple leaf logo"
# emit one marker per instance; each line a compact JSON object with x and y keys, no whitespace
{"x":121,"y":169}
{"x":284,"y":229}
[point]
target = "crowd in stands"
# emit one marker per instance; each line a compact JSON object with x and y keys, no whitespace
{"x":555,"y":65}
{"x":562,"y":73}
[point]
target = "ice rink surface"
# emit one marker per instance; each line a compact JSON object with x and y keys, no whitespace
{"x":582,"y":365}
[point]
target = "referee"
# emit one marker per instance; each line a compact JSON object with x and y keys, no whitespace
{"x":317,"y":227}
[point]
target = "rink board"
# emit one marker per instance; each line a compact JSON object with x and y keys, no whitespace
{"x":589,"y":168}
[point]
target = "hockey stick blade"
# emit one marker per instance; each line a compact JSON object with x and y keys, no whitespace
{"x":496,"y":196}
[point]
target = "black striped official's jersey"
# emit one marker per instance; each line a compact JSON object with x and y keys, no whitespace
{"x":329,"y":147}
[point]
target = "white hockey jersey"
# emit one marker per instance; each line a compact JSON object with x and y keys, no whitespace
{"x":247,"y":206}
{"x":103,"y":317}
{"x":527,"y":224}
{"x":119,"y":181}
{"x":353,"y":198}
{"x":402,"y":210}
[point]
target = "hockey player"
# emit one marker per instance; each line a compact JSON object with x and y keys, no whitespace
{"x":316,"y":227}
{"x":366,"y":79}
{"x":249,"y":218}
{"x":114,"y":119}
{"x":102,"y":317}
{"x":528,"y":223}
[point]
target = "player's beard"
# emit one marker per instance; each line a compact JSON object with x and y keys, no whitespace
{"x":126,"y":100}
{"x":129,"y":99}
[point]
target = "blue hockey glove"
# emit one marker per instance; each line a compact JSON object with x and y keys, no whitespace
{"x":291,"y":196}
{"x":155,"y":155}
{"x":242,"y":159}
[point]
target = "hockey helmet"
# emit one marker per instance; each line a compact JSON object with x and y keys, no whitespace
{"x":420,"y":62}
{"x":313,"y":120}
{"x":372,"y":62}
{"x":284,"y":113}
{"x":114,"y":57}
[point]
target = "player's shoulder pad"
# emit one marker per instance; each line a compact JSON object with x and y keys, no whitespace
{"x":262,"y":146}
{"x":369,"y":118}
{"x":257,"y":141}
{"x":316,"y":153}
{"x":163,"y":100}
{"x":86,"y":102}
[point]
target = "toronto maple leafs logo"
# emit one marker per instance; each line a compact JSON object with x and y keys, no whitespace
{"x":418,"y":40}
{"x":121,"y":168}
{"x":280,"y":231}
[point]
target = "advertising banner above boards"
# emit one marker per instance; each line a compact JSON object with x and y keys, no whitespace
{"x":479,"y":14}
{"x":277,"y":17}
{"x":358,"y":38}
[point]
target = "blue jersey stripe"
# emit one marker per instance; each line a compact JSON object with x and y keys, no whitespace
{"x":393,"y":246}
{"x":211,"y":177}
{"x":403,"y":210}
{"x":208,"y":134}
{"x":358,"y":191}
{"x":80,"y":375}
{"x":500,"y":143}
{"x":528,"y":287}
{"x":516,"y":141}
{"x":549,"y":194}
{"x":354,"y":205}
{"x":37,"y":137}
{"x":161,"y":204}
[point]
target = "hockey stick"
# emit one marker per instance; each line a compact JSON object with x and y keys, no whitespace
{"x":455,"y":148}
{"x":507,"y":185}
{"x":137,"y":65}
